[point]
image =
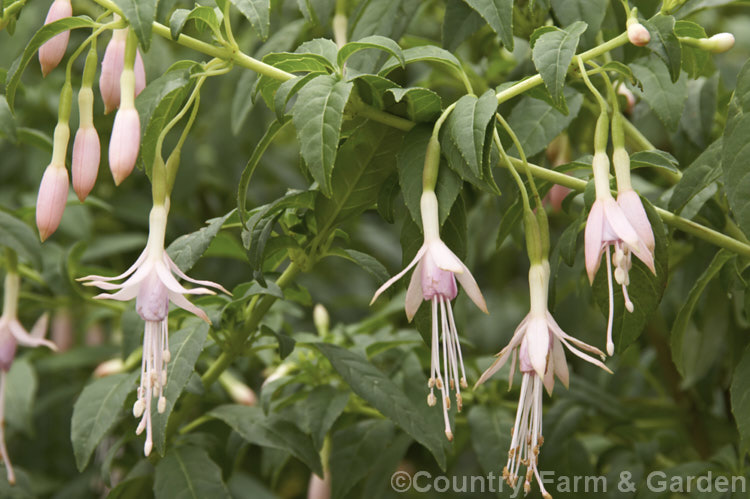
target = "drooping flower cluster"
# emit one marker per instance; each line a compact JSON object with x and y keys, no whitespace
{"x":151,"y":281}
{"x":537,"y":347}
{"x":436,"y":269}
{"x":119,"y":84}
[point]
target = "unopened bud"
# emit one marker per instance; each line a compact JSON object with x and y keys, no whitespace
{"x":237,"y":390}
{"x":629,"y":98}
{"x":85,"y":164}
{"x":109,"y":367}
{"x":321,"y":319}
{"x":50,"y":203}
{"x":124,"y":143}
{"x":319,"y":488}
{"x":721,"y":42}
{"x":53,"y":50}
{"x":638,"y":34}
{"x":112,"y":66}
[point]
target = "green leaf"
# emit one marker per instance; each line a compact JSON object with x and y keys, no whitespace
{"x":469,"y":126}
{"x":318,"y":115}
{"x":257,"y":12}
{"x":269,"y":431}
{"x":645,"y":289}
{"x":423,"y":53}
{"x":353,"y":450}
{"x":321,"y":47}
{"x":13,"y":78}
{"x":735,"y":147}
{"x":499,"y":15}
{"x":383,"y":394}
{"x":203,"y":16}
{"x":7,"y":121}
{"x":552,"y":54}
{"x":285,"y":92}
{"x":698,"y":116}
{"x":185,"y":346}
{"x":96,"y":411}
{"x":490,"y":435}
{"x":316,"y":413}
{"x":654,"y":159}
{"x":422,"y":104}
{"x":187,"y":249}
{"x":536,"y":122}
{"x":370,"y":42}
{"x":459,"y":23}
{"x":410,"y":164}
{"x":664,"y":43}
{"x":21,"y":238}
{"x":368,"y":262}
{"x":286,"y":343}
{"x":366,"y":160}
{"x":188,"y":472}
{"x":665,"y":97}
{"x":740,"y":393}
{"x":590,"y":11}
{"x":373,"y":88}
{"x":20,"y":391}
{"x":685,"y":354}
{"x":141,"y":15}
{"x":695,"y":61}
{"x":698,"y":177}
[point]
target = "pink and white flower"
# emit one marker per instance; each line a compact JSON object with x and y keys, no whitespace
{"x":537,"y":347}
{"x":434,"y":280}
{"x":152,"y":281}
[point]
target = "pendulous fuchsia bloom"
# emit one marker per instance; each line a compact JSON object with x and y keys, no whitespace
{"x":537,"y":346}
{"x":53,"y":50}
{"x":622,"y":224}
{"x":12,"y":334}
{"x":434,"y":280}
{"x":112,"y":65}
{"x":151,"y":282}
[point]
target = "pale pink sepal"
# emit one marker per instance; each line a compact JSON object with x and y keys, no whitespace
{"x":50,"y":203}
{"x":414,"y":296}
{"x":593,"y":239}
{"x":53,"y":50}
{"x":632,"y":206}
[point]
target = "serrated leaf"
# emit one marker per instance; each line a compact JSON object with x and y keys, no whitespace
{"x":424,"y":53}
{"x":203,"y":16}
{"x":683,"y":353}
{"x":7,"y":121}
{"x":700,"y":107}
{"x":665,"y":97}
{"x":13,"y":78}
{"x":422,"y":104}
{"x":21,"y":238}
{"x":664,"y":43}
{"x":140,"y":14}
{"x":499,"y":15}
{"x":469,"y":128}
{"x":459,"y":23}
{"x":645,"y":289}
{"x":654,"y":159}
{"x":590,"y":11}
{"x":269,"y":431}
{"x":702,"y":173}
{"x":368,"y":262}
{"x":257,"y":12}
{"x":286,"y":91}
{"x":321,"y":47}
{"x":367,"y":158}
{"x":735,"y":147}
{"x":188,"y":472}
{"x":695,"y":61}
{"x":97,"y":409}
{"x":286,"y":342}
{"x":536,"y":123}
{"x":552,"y":54}
{"x":318,"y":115}
{"x":187,"y":249}
{"x":370,"y":42}
{"x":318,"y":411}
{"x":410,"y":163}
{"x":380,"y":391}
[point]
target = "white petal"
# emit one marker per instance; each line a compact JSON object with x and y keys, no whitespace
{"x":563,"y":336}
{"x":472,"y":289}
{"x":444,"y":258}
{"x":398,"y":276}
{"x":173,"y":266}
{"x":185,"y":304}
{"x":166,"y":277}
{"x":549,"y":376}
{"x":559,"y":362}
{"x":495,"y":367}
{"x":132,"y":268}
{"x":414,"y":297}
{"x":537,"y":335}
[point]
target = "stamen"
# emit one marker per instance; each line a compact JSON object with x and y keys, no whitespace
{"x":610,"y":319}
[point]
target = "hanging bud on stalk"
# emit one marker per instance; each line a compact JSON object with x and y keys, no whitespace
{"x":86,"y":147}
{"x":112,"y":67}
{"x":638,"y":34}
{"x":53,"y":50}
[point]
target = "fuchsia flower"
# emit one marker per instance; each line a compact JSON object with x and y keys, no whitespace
{"x":434,"y":280}
{"x":124,"y":143}
{"x":51,"y":200}
{"x":53,"y":50}
{"x":112,"y":66}
{"x":151,"y":281}
{"x":537,"y":346}
{"x":85,"y":163}
{"x":622,"y":224}
{"x":12,"y":334}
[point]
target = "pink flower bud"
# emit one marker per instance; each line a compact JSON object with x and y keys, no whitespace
{"x":721,"y":42}
{"x":53,"y":50}
{"x":112,"y":65}
{"x":109,"y":367}
{"x":50,"y":203}
{"x":319,"y":488}
{"x":629,"y":98}
{"x":638,"y":35}
{"x":124,"y":144}
{"x":86,"y":156}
